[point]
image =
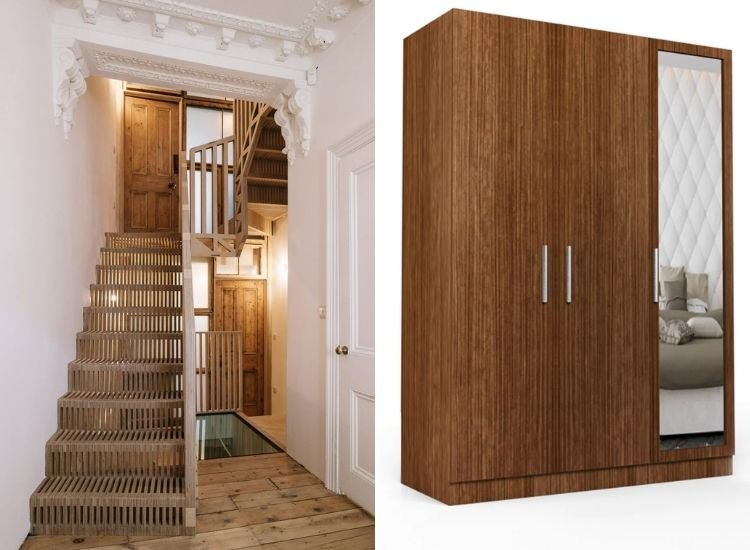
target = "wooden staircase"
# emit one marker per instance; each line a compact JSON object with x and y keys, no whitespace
{"x":267,"y":176}
{"x":116,"y":465}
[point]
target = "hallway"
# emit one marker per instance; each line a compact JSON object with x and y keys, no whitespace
{"x":265,"y":501}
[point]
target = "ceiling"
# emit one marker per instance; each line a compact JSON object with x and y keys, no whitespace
{"x":283,"y":12}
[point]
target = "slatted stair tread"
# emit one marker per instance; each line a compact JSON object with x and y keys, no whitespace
{"x":127,"y":366}
{"x":140,"y":267}
{"x":129,"y":335}
{"x":117,"y":488}
{"x":108,"y":286}
{"x":123,"y":396}
{"x":142,"y":249}
{"x":144,"y":310}
{"x":145,"y":234}
{"x":167,"y":436}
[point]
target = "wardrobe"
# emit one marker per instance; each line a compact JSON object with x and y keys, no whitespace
{"x":534,"y":257}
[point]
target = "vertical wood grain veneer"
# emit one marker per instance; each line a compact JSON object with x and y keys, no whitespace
{"x":519,"y":134}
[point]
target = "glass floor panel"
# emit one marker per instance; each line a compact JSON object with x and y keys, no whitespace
{"x":227,"y":435}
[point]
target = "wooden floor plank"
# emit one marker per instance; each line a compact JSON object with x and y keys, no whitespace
{"x":251,"y":500}
{"x":249,"y":475}
{"x":294,"y":480}
{"x":66,"y":542}
{"x":272,"y":513}
{"x":238,"y":488}
{"x":311,"y":526}
{"x":362,"y":538}
{"x":293,"y":511}
{"x":216,"y":504}
{"x":228,"y":539}
{"x":219,"y":465}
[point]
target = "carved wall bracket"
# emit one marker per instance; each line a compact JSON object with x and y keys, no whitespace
{"x":293,"y":115}
{"x":70,"y":84}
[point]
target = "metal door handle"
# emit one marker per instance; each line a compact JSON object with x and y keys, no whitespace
{"x":172,"y":184}
{"x":545,"y":274}
{"x":656,"y":275}
{"x":342,"y":350}
{"x":568,"y":274}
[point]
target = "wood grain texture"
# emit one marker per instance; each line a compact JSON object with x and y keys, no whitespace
{"x":426,"y":304}
{"x":519,"y":134}
{"x":501,"y":371}
{"x":274,"y":517}
{"x":240,"y":306}
{"x":152,"y":130}
{"x":605,"y":406}
{"x":569,"y":482}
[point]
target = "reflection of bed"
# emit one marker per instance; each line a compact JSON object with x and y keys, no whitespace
{"x":691,"y":395}
{"x":697,"y":364}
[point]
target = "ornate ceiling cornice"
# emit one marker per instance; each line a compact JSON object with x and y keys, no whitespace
{"x":175,"y":74}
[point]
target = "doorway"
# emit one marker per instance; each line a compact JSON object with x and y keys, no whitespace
{"x":351,"y":326}
{"x":240,"y":306}
{"x":152,"y":146}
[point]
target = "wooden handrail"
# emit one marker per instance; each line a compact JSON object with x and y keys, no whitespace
{"x":217,"y":174}
{"x":188,"y":351}
{"x":218,"y":371}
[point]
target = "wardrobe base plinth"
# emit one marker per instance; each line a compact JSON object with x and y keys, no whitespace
{"x":588,"y":480}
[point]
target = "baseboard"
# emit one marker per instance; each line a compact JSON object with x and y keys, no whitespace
{"x":502,"y":489}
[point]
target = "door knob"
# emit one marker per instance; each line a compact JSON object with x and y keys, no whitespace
{"x":342,"y":350}
{"x":172,"y":185}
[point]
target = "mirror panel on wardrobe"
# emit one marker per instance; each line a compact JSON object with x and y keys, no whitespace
{"x":690,"y":258}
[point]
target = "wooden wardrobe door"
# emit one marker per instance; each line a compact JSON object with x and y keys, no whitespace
{"x":502,"y":390}
{"x":608,"y":333}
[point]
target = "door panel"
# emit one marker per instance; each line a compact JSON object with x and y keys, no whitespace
{"x":240,"y":306}
{"x":354,"y":327}
{"x":151,"y":143}
{"x":607,"y":344}
{"x":503,"y":383}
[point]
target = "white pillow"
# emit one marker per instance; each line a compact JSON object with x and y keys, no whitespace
{"x":696,"y":305}
{"x":705,"y":327}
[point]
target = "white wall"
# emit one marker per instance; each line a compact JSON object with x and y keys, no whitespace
{"x":343,"y":102}
{"x":278,"y":262}
{"x":58,"y":199}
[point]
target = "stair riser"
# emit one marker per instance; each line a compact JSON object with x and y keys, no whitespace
{"x":130,"y":321}
{"x":144,"y":460}
{"x":119,"y":381}
{"x":90,"y":519}
{"x":109,"y":418}
{"x":146,"y":350}
{"x":111,"y":276}
{"x":117,"y":257}
{"x":136,"y":241}
{"x":126,"y":297}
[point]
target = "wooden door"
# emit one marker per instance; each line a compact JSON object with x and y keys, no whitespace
{"x":503,"y":212}
{"x":608,"y":333}
{"x":152,"y":145}
{"x":240,"y":305}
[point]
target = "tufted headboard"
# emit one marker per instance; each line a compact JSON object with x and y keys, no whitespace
{"x":690,"y":167}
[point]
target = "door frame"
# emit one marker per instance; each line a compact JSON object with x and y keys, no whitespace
{"x":354,"y":141}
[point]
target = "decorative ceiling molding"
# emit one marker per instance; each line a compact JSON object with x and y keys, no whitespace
{"x":307,"y":36}
{"x":70,"y":84}
{"x":218,"y":18}
{"x":183,"y":76}
{"x":88,"y":11}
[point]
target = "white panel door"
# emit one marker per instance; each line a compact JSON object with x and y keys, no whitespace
{"x":355,"y":343}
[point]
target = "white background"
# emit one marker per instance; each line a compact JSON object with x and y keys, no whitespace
{"x":683,"y":515}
